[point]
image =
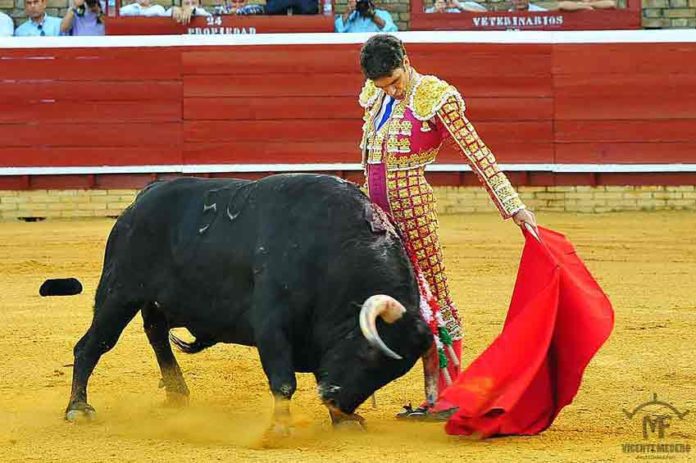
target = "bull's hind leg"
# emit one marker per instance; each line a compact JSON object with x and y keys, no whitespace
{"x":157,"y":331}
{"x":107,"y":325}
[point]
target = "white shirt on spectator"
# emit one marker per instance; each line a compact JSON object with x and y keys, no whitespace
{"x":533,"y":7}
{"x":6,"y":25}
{"x":134,"y":9}
{"x":198,"y":11}
{"x":472,"y":5}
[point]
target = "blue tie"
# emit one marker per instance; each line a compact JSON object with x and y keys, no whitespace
{"x":386,"y":114}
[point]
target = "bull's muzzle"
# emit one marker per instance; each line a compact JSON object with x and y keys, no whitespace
{"x":389,"y":310}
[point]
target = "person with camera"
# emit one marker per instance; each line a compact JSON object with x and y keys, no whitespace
{"x":363,"y":16}
{"x":86,"y":17}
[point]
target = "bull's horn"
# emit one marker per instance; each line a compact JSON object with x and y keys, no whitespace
{"x":380,"y":306}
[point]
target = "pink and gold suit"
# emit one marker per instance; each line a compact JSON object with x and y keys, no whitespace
{"x":395,"y":156}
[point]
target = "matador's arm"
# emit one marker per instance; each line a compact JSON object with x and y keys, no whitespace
{"x":482,"y":162}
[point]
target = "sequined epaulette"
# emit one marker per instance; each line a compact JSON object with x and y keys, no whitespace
{"x":429,"y":95}
{"x":368,"y":94}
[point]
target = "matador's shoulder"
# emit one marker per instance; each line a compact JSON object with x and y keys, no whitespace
{"x":368,"y":94}
{"x":430,"y":95}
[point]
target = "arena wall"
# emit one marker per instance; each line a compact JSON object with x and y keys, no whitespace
{"x":573,"y":118}
{"x":36,"y":204}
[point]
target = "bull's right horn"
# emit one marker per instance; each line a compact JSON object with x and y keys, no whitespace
{"x":386,"y":307}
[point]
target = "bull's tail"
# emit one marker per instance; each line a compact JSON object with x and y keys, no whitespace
{"x":190,"y":347}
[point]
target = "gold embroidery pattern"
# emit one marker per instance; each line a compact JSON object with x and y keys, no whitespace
{"x":429,"y":95}
{"x":412,"y":161}
{"x":368,"y":94}
{"x":414,"y":209}
{"x":480,"y":158}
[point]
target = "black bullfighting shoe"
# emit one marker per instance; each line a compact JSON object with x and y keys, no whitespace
{"x":424,"y":413}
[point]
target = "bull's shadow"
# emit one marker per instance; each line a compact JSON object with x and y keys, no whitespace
{"x":301,"y":266}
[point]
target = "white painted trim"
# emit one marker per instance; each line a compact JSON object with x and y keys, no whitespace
{"x":88,"y":170}
{"x":329,"y":38}
{"x":231,"y":168}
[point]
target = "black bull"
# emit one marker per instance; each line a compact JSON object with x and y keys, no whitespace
{"x":289,"y":264}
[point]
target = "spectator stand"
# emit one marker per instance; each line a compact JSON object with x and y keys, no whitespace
{"x":221,"y":24}
{"x":611,"y":19}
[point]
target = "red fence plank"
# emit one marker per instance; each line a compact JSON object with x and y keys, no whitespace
{"x":317,"y":108}
{"x":140,"y":66}
{"x":36,"y":136}
{"x":661,"y":105}
{"x":88,"y":156}
{"x":509,"y":109}
{"x":624,"y":84}
{"x":469,"y":59}
{"x":91,"y":111}
{"x":272,"y":131}
{"x":266,"y":59}
{"x":626,"y":131}
{"x":626,"y":153}
{"x":662,"y":58}
{"x":276,"y":85}
{"x":273,"y":152}
{"x":34,"y":91}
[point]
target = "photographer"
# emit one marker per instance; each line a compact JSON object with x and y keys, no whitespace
{"x":363,"y":16}
{"x":84,"y":18}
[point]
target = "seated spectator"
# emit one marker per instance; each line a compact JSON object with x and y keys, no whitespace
{"x":239,"y":7}
{"x":363,"y":16}
{"x":563,"y":5}
{"x":84,"y":18}
{"x":39,"y":23}
{"x":454,"y":6}
{"x":6,"y":25}
{"x":292,"y":6}
{"x":142,"y":8}
{"x":188,"y":9}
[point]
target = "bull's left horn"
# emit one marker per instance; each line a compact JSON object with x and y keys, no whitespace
{"x":386,"y":307}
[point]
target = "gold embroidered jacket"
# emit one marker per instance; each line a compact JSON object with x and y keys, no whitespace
{"x":431,"y":112}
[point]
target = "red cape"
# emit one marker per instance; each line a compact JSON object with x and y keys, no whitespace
{"x":558,"y":318}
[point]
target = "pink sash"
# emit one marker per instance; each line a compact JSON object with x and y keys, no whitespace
{"x":377,"y":185}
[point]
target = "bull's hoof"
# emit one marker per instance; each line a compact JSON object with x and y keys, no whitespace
{"x":80,"y":412}
{"x":350,"y":425}
{"x":176,"y":400}
{"x":344,"y":421}
{"x":280,"y":429}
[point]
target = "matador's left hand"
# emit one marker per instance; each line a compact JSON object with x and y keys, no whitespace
{"x":525,"y":216}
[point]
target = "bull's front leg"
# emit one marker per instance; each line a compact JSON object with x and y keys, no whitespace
{"x":275,"y":351}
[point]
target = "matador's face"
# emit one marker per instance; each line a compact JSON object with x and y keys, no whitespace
{"x":396,"y":84}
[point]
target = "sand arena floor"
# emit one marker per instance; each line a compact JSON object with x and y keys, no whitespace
{"x":646,"y":262}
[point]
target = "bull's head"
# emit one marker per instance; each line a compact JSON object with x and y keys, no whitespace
{"x":386,"y":344}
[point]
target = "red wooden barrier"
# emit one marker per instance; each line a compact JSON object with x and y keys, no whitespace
{"x":609,"y":19}
{"x":535,"y":104}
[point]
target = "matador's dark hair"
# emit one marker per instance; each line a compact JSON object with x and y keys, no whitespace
{"x":381,"y":55}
